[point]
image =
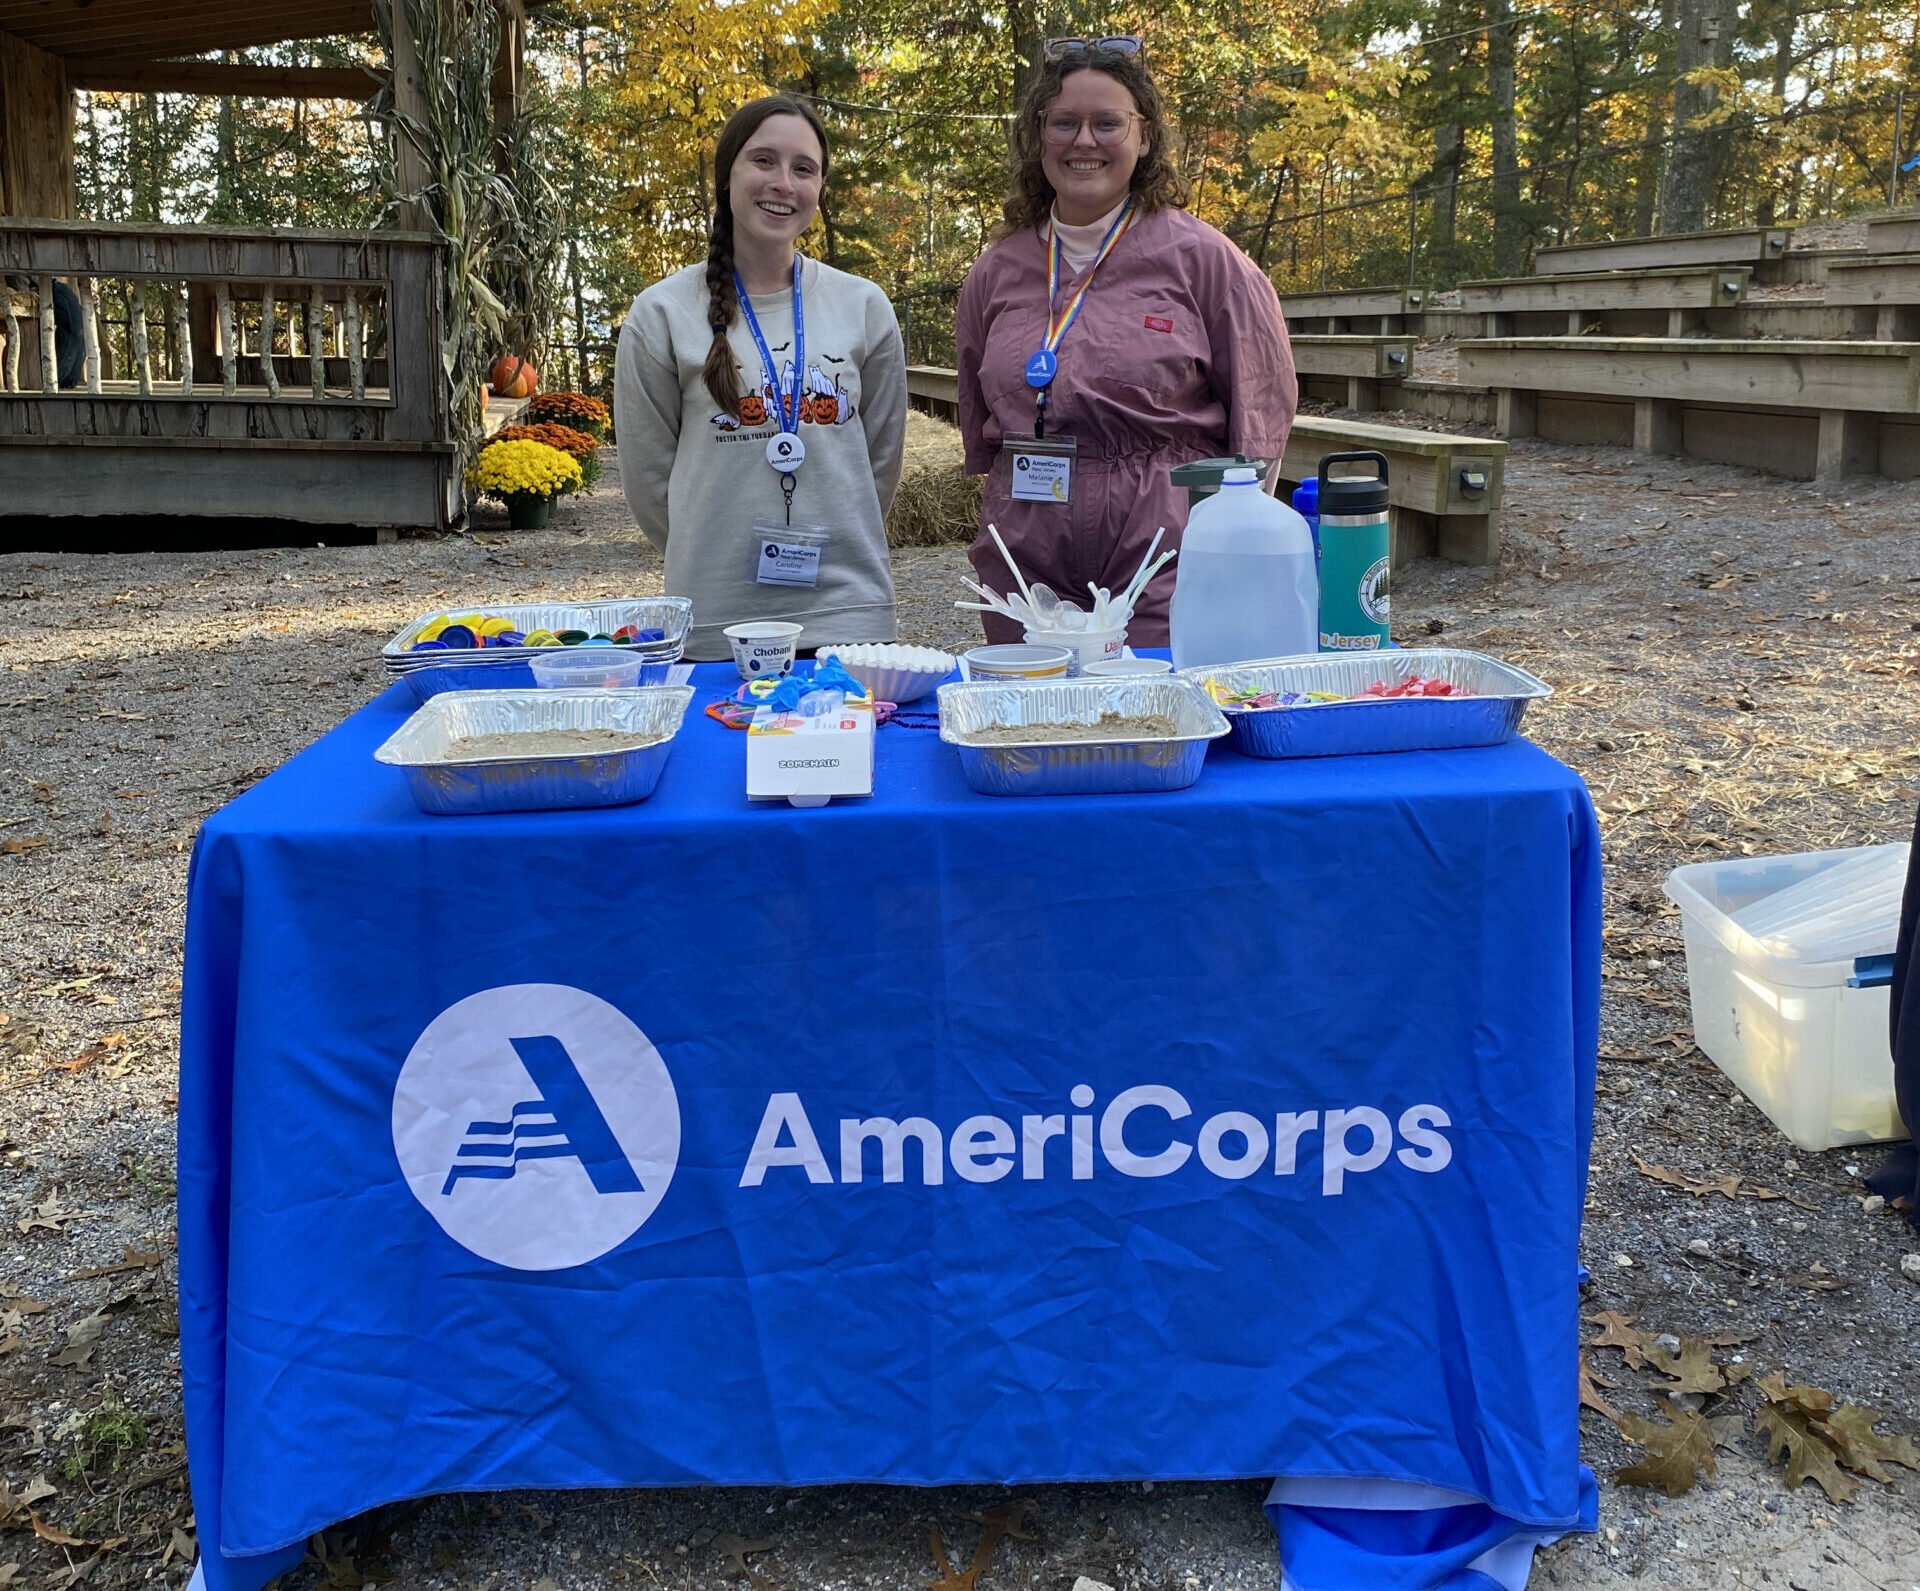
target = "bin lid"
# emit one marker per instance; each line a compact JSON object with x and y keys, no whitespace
{"x":1205,"y":475}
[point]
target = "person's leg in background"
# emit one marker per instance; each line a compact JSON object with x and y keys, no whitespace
{"x":1899,"y":1177}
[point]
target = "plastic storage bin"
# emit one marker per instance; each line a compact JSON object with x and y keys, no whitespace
{"x":1771,"y":1006}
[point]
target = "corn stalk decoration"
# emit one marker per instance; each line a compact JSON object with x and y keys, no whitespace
{"x":487,"y":194}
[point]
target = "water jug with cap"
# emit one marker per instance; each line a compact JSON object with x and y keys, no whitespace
{"x":1244,"y":585}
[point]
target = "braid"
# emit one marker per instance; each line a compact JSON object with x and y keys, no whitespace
{"x":723,"y":304}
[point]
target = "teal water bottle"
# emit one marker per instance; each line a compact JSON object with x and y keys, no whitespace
{"x":1356,"y":547}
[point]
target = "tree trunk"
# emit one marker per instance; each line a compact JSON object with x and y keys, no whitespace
{"x":1025,"y":24}
{"x":1705,"y":39}
{"x":1449,"y":137}
{"x":1785,"y":25}
{"x":1508,"y":247}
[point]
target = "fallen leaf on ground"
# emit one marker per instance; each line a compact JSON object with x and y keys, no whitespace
{"x":736,"y":1550}
{"x":135,"y":1261}
{"x":1790,"y":1429}
{"x":1692,"y":1367}
{"x":1590,"y":1383}
{"x":1819,"y":1284}
{"x":1617,"y":1332}
{"x":1850,"y":1429}
{"x":20,"y":846}
{"x":1674,"y":1451}
{"x":54,"y":1534}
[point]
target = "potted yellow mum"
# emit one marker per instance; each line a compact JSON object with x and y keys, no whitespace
{"x":526,"y":476}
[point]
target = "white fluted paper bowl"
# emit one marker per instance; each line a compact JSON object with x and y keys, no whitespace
{"x":893,"y":673}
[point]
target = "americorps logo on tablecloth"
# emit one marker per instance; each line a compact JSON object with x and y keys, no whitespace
{"x":537,"y":1125}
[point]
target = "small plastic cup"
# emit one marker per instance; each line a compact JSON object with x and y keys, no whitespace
{"x":1086,"y":646}
{"x":1019,"y":662}
{"x":763,"y":647}
{"x":584,"y":667}
{"x":1129,"y":668}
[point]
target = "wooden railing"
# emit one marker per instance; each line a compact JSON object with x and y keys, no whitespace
{"x":213,"y":329}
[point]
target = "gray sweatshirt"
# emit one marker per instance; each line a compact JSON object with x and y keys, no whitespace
{"x":697,"y":482}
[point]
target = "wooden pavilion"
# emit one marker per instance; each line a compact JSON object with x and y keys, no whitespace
{"x":262,"y":372}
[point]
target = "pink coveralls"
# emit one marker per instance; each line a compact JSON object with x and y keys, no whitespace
{"x":1179,"y":353}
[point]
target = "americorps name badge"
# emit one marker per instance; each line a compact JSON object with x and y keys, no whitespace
{"x":788,"y":555}
{"x":1041,"y":469}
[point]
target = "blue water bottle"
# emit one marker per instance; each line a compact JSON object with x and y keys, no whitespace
{"x":1306,"y":503}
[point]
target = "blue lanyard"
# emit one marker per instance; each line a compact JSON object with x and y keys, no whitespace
{"x":766,"y":357}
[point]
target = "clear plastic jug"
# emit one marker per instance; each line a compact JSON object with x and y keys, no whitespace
{"x":1245,"y":586}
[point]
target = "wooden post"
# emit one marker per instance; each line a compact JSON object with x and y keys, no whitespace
{"x":183,"y":338}
{"x":316,"y":341}
{"x":90,"y":328}
{"x":268,"y":374}
{"x":356,"y":358}
{"x":1516,"y":412}
{"x":410,"y":110}
{"x":1848,"y":444}
{"x":1576,"y":322}
{"x":13,"y":340}
{"x":143,"y":367}
{"x":49,"y":355}
{"x":223,"y":309}
{"x":1657,"y":426}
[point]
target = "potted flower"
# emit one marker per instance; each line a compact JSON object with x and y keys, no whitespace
{"x":577,"y":445}
{"x":574,"y":409}
{"x":526,"y":476}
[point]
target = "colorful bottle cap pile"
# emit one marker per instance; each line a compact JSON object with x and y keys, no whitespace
{"x":464,"y":632}
{"x":1253,"y":701}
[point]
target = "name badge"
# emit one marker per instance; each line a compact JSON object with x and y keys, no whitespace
{"x":788,"y":555}
{"x":1041,"y":471}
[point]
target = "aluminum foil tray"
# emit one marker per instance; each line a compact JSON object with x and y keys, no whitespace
{"x":534,"y":784}
{"x":672,"y":614}
{"x":507,"y":671}
{"x":1079,"y":767}
{"x":1336,"y":729}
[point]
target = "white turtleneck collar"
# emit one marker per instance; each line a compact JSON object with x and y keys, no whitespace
{"x":1079,"y":244}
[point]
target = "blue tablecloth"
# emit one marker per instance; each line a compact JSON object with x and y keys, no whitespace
{"x":930,"y":1138}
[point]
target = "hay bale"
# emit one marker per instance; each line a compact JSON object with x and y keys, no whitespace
{"x":937,"y":505}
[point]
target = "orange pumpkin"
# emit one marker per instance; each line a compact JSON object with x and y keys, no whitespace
{"x":513,"y":377}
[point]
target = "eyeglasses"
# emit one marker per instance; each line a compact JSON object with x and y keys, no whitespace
{"x":1108,"y":127}
{"x":1119,"y":43}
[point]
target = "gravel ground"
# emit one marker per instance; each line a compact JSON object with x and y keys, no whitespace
{"x":1733,"y":657}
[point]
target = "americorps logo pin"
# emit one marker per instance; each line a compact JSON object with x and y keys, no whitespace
{"x":537,"y":1125}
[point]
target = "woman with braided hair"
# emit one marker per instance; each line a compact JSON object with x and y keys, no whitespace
{"x":760,"y":406}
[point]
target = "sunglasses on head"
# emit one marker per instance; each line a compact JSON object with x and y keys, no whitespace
{"x":1119,"y":43}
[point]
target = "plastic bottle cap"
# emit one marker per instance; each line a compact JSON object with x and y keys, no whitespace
{"x":1240,"y":476}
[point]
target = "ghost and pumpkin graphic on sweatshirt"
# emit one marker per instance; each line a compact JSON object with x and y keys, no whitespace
{"x":822,"y":402}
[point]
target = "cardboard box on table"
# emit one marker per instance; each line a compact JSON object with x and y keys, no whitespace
{"x":808,"y":761}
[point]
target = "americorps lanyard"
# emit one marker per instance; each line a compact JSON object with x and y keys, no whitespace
{"x":1045,"y":363}
{"x":786,"y":452}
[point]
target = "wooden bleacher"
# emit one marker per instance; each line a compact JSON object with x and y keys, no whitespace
{"x":1387,"y":311}
{"x":1360,"y":372}
{"x":1679,"y":296}
{"x":1445,"y":491}
{"x":1886,"y":284}
{"x":1894,"y":234}
{"x":1814,"y":409}
{"x":1752,"y":246}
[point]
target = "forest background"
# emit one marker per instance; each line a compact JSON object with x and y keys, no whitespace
{"x":1381,"y":141}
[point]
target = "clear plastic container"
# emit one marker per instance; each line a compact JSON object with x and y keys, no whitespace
{"x":581,"y":667}
{"x":1775,"y":1013}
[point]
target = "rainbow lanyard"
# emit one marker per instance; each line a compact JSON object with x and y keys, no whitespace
{"x":1060,"y":316}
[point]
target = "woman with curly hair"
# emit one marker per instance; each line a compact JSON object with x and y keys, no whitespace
{"x":761,"y":406}
{"x":1106,"y":336}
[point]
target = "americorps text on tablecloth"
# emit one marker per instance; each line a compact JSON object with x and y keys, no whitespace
{"x":539,"y":1126}
{"x":1232,"y":1144}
